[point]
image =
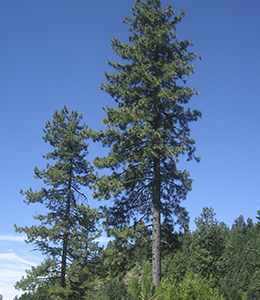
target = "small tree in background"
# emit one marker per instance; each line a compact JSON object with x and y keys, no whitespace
{"x":207,"y":246}
{"x":149,"y":129}
{"x":69,"y":227}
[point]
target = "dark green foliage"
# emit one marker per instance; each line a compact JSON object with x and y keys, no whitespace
{"x":177,"y":263}
{"x":26,"y":296}
{"x":114,"y":289}
{"x":237,"y":261}
{"x":201,"y":252}
{"x":144,"y":289}
{"x":131,"y":246}
{"x":149,"y":130}
{"x":68,"y":229}
{"x":227,"y":259}
{"x":213,"y":262}
{"x":207,"y":246}
{"x":117,"y":257}
{"x":40,"y":294}
{"x":40,"y":278}
{"x":192,"y":287}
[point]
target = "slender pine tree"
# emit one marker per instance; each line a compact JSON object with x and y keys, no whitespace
{"x":149,"y":128}
{"x":67,"y":219}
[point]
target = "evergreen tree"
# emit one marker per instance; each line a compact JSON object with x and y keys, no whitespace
{"x":207,"y":246}
{"x":253,"y":246}
{"x":149,"y":129}
{"x":238,"y":260}
{"x":67,"y":227}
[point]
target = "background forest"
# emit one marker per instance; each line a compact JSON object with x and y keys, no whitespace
{"x":212,"y":262}
{"x":152,"y":253}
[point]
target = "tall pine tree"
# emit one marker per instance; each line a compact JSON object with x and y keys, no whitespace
{"x":67,"y":219}
{"x":149,"y":128}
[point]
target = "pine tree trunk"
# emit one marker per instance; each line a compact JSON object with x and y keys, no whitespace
{"x":156,"y":248}
{"x":63,"y":262}
{"x":156,"y":251}
{"x":66,"y":234}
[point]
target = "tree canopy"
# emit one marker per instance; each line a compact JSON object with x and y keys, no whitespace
{"x":149,"y":129}
{"x":67,"y":231}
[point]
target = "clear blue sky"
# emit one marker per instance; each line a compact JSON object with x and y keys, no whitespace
{"x":54,"y":53}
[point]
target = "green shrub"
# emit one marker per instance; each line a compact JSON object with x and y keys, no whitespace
{"x":115,"y":290}
{"x":192,"y":287}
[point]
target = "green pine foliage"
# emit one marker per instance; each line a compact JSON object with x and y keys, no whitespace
{"x":68,"y":229}
{"x":114,"y":289}
{"x":149,"y":129}
{"x":147,"y":132}
{"x":228,"y":259}
{"x":130,"y":247}
{"x":237,"y":261}
{"x":207,"y":246}
{"x":192,"y":287}
{"x":144,"y":289}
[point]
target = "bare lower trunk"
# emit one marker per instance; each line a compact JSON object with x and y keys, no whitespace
{"x":156,"y":251}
